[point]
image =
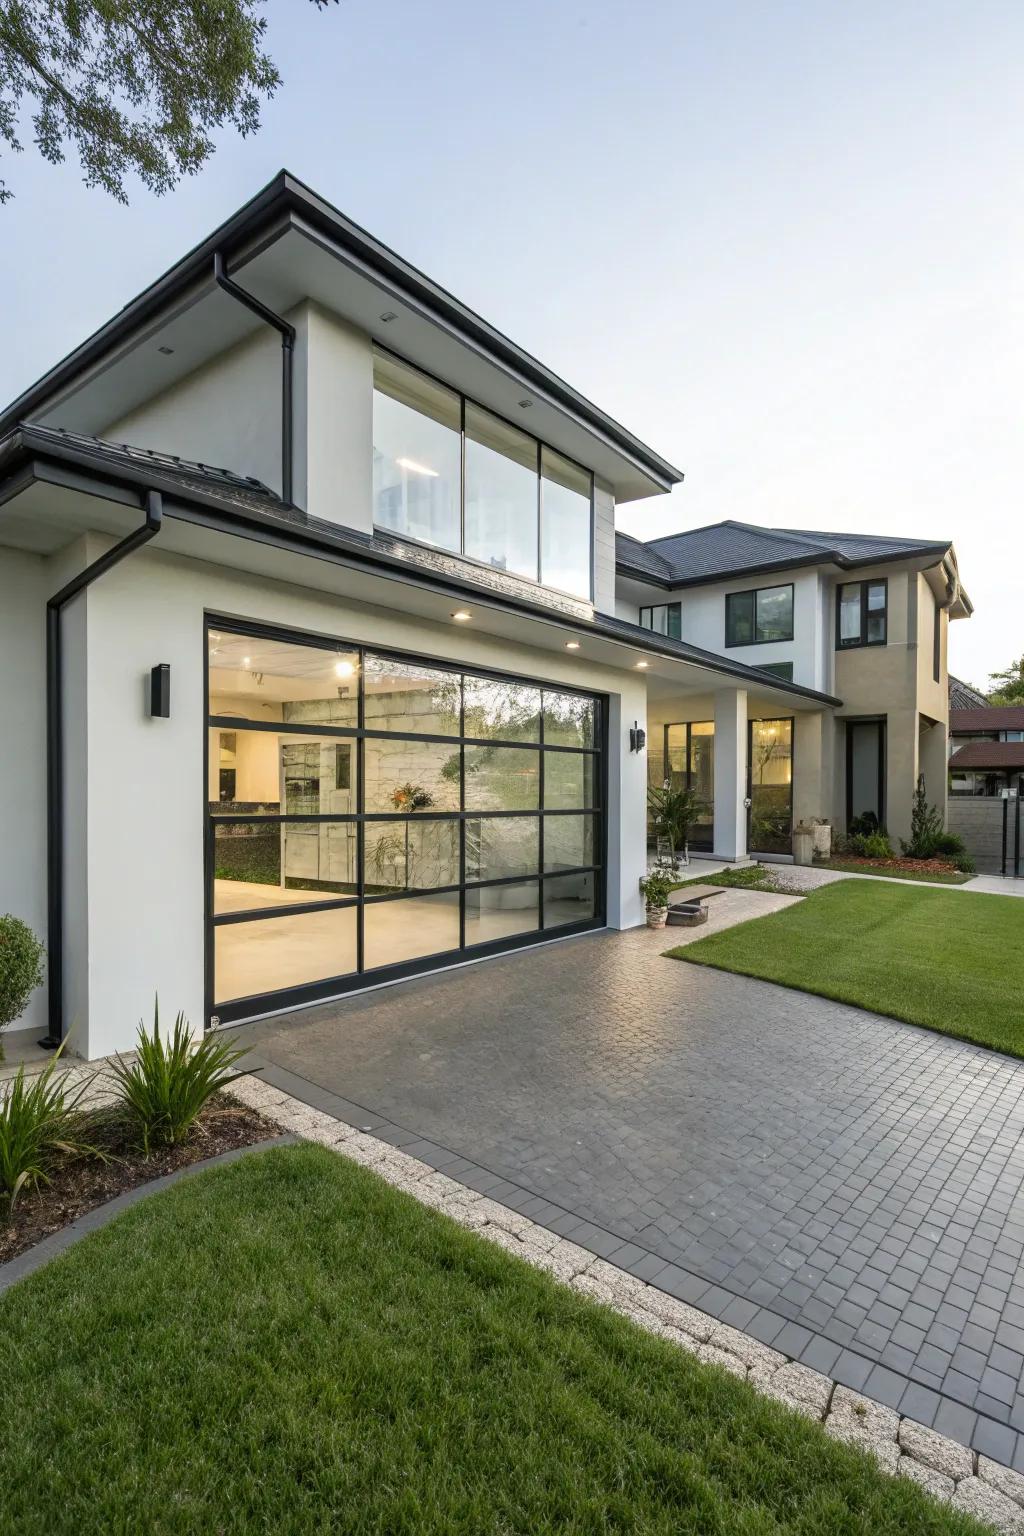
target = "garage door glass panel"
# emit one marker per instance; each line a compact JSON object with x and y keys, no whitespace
{"x":569,"y":899}
{"x":411,"y":854}
{"x":498,"y":709}
{"x":253,"y":678}
{"x":569,"y":720}
{"x":502,"y":779}
{"x":273,"y":954}
{"x":498,"y":847}
{"x":432,"y":809}
{"x":501,"y":911}
{"x":410,"y":929}
{"x":279,"y":863}
{"x":568,"y":842}
{"x":407,"y":775}
{"x":404,"y":697}
{"x":568,"y":781}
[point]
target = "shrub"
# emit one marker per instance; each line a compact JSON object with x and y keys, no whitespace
{"x":871,"y":845}
{"x":949,"y":845}
{"x":925,"y":826}
{"x":166,"y":1087}
{"x":965,"y":864}
{"x":21,"y":969}
{"x":656,"y":888}
{"x":39,"y":1125}
{"x":865,"y":826}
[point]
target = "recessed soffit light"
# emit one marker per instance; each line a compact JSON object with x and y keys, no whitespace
{"x":461,"y":616}
{"x":167,"y":351}
{"x":642,"y":665}
{"x":572,"y":645}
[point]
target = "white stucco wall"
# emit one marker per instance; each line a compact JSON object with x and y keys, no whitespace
{"x":146,"y":810}
{"x":23,"y":590}
{"x":703,"y":620}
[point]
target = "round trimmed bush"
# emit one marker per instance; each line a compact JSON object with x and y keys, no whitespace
{"x":21,"y":969}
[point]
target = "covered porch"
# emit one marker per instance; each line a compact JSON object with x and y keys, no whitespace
{"x":756,"y":759}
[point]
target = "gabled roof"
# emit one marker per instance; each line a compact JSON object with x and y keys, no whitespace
{"x":998,"y":755}
{"x":963,"y":696}
{"x":993,"y":717}
{"x":732,"y":548}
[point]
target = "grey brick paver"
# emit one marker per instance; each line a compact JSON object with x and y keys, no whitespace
{"x":860,"y":1179}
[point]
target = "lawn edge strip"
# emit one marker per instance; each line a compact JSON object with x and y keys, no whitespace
{"x":56,"y":1243}
{"x":968,"y":1481}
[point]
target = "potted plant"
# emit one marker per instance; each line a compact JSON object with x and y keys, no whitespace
{"x":655,"y":889}
{"x":673,"y":812}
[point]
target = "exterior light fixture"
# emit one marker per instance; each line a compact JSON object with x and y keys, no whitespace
{"x":461,"y":616}
{"x":642,"y":665}
{"x":388,"y":316}
{"x":524,"y":405}
{"x":572,"y":645}
{"x":637,"y":737}
{"x":160,"y":691}
{"x":167,"y":351}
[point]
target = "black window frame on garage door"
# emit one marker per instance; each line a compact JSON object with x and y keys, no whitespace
{"x":235,"y":818}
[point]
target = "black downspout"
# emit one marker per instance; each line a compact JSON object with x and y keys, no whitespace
{"x":287,"y":333}
{"x":55,"y":758}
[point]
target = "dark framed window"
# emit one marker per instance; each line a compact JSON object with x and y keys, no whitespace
{"x":663,"y":619}
{"x":387,"y":814}
{"x":454,"y":476}
{"x":781,"y":669}
{"x":862,"y":614}
{"x":759,"y":616}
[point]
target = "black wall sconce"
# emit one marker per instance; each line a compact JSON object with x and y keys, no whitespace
{"x":160,"y":691}
{"x":637,"y":737}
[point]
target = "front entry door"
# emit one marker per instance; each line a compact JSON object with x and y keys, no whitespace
{"x":770,"y":777}
{"x":865,"y":774}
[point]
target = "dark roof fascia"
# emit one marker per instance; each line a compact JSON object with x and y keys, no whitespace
{"x":286,"y":194}
{"x":69,"y":467}
{"x":826,"y":557}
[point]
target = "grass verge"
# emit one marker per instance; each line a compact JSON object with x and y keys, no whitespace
{"x":750,"y":877}
{"x":931,"y":877}
{"x":288,"y":1345}
{"x":951,"y":963}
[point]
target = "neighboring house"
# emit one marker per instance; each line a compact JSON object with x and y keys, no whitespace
{"x":862,"y":617}
{"x":986,"y":750}
{"x":963,"y":696}
{"x":315,"y":615}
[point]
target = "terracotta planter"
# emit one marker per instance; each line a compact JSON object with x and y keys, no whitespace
{"x":657,"y":917}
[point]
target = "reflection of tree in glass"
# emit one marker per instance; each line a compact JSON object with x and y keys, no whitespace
{"x":568,"y":719}
{"x":500,"y":709}
{"x":422,"y":861}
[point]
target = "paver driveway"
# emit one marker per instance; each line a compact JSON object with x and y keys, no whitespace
{"x":841,"y":1185}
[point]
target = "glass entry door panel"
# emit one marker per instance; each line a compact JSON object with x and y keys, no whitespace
{"x":690,"y":764}
{"x":771,"y":786}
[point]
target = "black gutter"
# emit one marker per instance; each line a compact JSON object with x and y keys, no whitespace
{"x":287,"y":333}
{"x":55,"y":757}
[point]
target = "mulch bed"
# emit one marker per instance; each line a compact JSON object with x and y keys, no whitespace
{"x":909,"y":866}
{"x":81,"y":1185}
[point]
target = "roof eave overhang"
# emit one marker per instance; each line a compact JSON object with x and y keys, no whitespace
{"x":799,"y":562}
{"x":22,"y":464}
{"x":268,"y":214}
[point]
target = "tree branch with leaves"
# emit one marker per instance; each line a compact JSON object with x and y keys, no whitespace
{"x":134,"y":87}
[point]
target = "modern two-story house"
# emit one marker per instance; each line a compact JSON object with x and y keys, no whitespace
{"x":325,"y":665}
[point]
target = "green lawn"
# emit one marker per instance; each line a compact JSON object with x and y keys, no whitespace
{"x":286,"y":1345}
{"x":934,"y":877}
{"x":952,"y":962}
{"x":749,"y":877}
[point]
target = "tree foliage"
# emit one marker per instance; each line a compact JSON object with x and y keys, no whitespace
{"x":1009,"y":684}
{"x":136,"y":87}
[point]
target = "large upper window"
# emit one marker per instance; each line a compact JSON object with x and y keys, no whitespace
{"x":450,"y":474}
{"x":759,"y":616}
{"x":861,"y":614}
{"x":663,"y":619}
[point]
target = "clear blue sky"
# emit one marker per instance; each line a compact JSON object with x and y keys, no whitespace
{"x":781,"y":242}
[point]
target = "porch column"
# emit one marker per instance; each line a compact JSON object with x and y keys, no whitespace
{"x":731,"y":773}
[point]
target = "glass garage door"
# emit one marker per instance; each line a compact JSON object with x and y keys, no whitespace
{"x":371,"y":815}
